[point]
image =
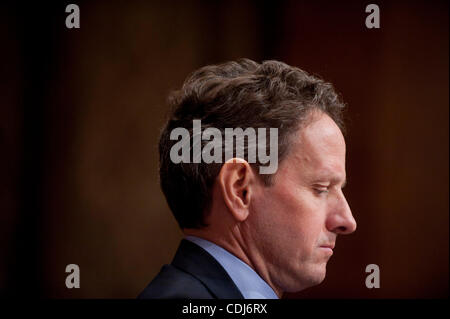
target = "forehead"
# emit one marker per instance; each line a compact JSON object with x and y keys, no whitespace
{"x":319,"y":148}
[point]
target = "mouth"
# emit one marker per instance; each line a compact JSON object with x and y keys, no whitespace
{"x":328,"y":248}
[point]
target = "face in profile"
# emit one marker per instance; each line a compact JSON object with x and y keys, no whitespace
{"x":295,"y":222}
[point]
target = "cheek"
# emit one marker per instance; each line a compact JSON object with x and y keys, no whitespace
{"x":289,"y":214}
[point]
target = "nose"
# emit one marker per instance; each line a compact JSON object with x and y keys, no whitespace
{"x":340,"y":220}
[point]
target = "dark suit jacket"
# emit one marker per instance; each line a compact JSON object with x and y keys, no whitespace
{"x":193,"y":274}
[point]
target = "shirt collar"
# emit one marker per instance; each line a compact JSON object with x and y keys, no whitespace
{"x":249,"y":283}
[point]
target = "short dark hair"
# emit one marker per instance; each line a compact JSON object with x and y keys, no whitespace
{"x":236,"y":94}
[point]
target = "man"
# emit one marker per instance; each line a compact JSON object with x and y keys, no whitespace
{"x":247,"y":234}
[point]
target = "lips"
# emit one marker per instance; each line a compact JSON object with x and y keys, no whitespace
{"x":328,"y":249}
{"x":331,"y":246}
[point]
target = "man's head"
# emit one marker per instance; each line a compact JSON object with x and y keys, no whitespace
{"x":242,"y":94}
{"x":279,"y":221}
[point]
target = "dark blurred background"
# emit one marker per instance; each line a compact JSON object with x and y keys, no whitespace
{"x":81,"y":111}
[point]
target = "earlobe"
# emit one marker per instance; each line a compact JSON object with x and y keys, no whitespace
{"x":235,"y":182}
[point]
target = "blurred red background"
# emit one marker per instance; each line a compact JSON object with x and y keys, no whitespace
{"x":81,"y":111}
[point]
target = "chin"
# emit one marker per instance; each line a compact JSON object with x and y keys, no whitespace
{"x":309,"y":279}
{"x":316,"y":276}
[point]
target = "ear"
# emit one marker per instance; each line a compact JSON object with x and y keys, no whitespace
{"x":235,"y":182}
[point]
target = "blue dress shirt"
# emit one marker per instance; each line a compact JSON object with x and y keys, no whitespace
{"x":249,"y":283}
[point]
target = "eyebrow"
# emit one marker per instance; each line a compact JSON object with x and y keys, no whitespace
{"x":336,"y":181}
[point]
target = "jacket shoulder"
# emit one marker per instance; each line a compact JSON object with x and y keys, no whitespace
{"x":174,"y":283}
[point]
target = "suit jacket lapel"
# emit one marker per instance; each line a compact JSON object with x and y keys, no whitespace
{"x":199,"y":263}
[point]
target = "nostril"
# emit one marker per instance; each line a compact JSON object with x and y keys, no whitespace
{"x":342,"y":229}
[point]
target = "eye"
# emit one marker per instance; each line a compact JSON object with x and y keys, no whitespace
{"x":321,"y":190}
